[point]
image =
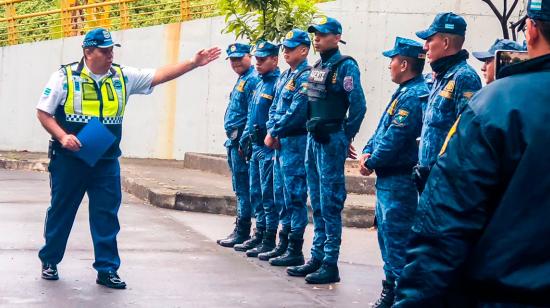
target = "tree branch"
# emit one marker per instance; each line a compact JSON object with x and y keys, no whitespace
{"x":494,"y":8}
{"x":512,"y":9}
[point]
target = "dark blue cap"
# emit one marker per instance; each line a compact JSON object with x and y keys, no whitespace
{"x":99,"y":38}
{"x":444,"y":23}
{"x":326,"y":25}
{"x":237,"y":50}
{"x":296,"y":37}
{"x":539,"y":9}
{"x":406,"y":47}
{"x":265,"y":49}
{"x":499,"y":44}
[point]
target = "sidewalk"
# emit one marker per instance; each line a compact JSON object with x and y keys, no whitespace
{"x":175,"y":185}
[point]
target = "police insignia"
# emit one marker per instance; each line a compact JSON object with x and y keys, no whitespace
{"x":289,"y":35}
{"x":303,"y":90}
{"x":117,"y":84}
{"x":47,"y":92}
{"x":266,"y":96}
{"x":452,"y":131}
{"x":348,"y":83}
{"x":468,"y":95}
{"x":334,"y":78}
{"x":261,"y":45}
{"x":322,"y":20}
{"x":240,"y":87}
{"x":233,"y":48}
{"x":290,"y":85}
{"x":448,"y":91}
{"x":391,"y":110}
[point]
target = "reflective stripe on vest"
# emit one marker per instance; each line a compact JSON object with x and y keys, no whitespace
{"x":87,"y":99}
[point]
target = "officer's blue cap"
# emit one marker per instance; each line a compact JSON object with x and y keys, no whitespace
{"x":100,"y":38}
{"x":237,"y":50}
{"x":406,"y":47}
{"x":265,"y":49}
{"x":326,"y":25}
{"x":499,"y":44}
{"x":295,"y":38}
{"x":444,"y":23}
{"x":539,"y":9}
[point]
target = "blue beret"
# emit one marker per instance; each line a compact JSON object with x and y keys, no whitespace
{"x":499,"y":44}
{"x":237,"y":50}
{"x":444,"y":23}
{"x":265,"y":49}
{"x":539,"y":9}
{"x":98,"y":37}
{"x":326,"y":25}
{"x":406,"y":47}
{"x":296,"y":37}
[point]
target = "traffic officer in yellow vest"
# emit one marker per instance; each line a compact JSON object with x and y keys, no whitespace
{"x":74,"y":95}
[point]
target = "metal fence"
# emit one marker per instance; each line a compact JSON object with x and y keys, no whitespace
{"x":52,"y":19}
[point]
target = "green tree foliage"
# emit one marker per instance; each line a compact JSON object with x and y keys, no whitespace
{"x":266,"y":19}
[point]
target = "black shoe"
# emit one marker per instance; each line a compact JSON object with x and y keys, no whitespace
{"x":279,"y":250}
{"x":230,"y":236}
{"x":328,"y":273}
{"x":239,"y":235}
{"x":267,"y":244}
{"x":293,"y":255}
{"x":254,"y":241}
{"x":311,"y":266}
{"x":110,"y":280}
{"x":387,"y":295}
{"x":49,"y":271}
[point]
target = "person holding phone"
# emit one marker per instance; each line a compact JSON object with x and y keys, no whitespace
{"x":479,"y":238}
{"x":93,"y":88}
{"x":488,"y":57}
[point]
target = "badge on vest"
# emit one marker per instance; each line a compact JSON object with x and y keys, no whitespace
{"x":240,"y":87}
{"x":290,"y":85}
{"x":77,"y":86}
{"x":348,"y":83}
{"x":448,"y":91}
{"x":318,"y":75}
{"x":117,"y":84}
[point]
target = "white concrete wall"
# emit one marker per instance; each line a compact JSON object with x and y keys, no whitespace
{"x":187,"y":115}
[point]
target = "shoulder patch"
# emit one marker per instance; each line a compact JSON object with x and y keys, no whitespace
{"x":400,"y":118}
{"x":47,"y":91}
{"x":348,"y":83}
{"x":452,"y":131}
{"x":447,"y":92}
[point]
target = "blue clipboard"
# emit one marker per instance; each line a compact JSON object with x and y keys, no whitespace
{"x":96,"y":139}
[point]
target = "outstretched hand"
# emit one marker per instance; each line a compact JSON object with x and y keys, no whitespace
{"x":206,"y":56}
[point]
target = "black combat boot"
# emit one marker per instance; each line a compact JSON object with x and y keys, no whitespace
{"x":279,"y":250}
{"x":293,"y":256}
{"x":386,"y":296}
{"x":232,"y":235}
{"x":242,"y":234}
{"x":267,"y":244}
{"x":254,"y":241}
{"x":327,"y":273}
{"x":303,"y":270}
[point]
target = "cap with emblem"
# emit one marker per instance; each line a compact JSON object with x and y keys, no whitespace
{"x":444,"y":23}
{"x":499,"y":44}
{"x":296,"y":37}
{"x":539,"y":10}
{"x":406,"y":47}
{"x":237,"y":50}
{"x":265,"y":49}
{"x":326,"y":25}
{"x":99,"y":38}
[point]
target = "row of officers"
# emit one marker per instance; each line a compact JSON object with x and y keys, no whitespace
{"x":290,"y":133}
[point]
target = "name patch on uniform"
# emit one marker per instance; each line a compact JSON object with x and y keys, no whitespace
{"x":240,"y":87}
{"x":348,"y":83}
{"x":47,"y":91}
{"x":318,"y":75}
{"x":449,"y":89}
{"x":266,"y":96}
{"x":452,"y":131}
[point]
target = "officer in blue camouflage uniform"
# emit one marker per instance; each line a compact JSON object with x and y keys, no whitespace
{"x":336,"y":107}
{"x":287,"y":132}
{"x":455,"y":83}
{"x":488,"y":57}
{"x":234,"y":123}
{"x":480,"y":234}
{"x":261,"y":162}
{"x":392,"y":152}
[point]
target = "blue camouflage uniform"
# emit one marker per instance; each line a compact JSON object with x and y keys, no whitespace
{"x":234,"y":124}
{"x":287,"y":121}
{"x":455,"y":83}
{"x":394,"y":152}
{"x":329,"y":138}
{"x":261,"y":162}
{"x":479,"y":237}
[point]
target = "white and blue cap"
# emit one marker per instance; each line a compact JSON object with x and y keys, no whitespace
{"x":296,"y":37}
{"x":326,"y":25}
{"x":499,"y":44}
{"x":539,"y":10}
{"x":99,"y":38}
{"x":445,"y":23}
{"x":265,"y":49}
{"x":406,"y":47}
{"x":237,"y":50}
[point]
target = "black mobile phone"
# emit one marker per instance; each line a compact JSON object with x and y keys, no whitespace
{"x":506,"y":57}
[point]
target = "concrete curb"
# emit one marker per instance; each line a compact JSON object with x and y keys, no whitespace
{"x":352,"y":215}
